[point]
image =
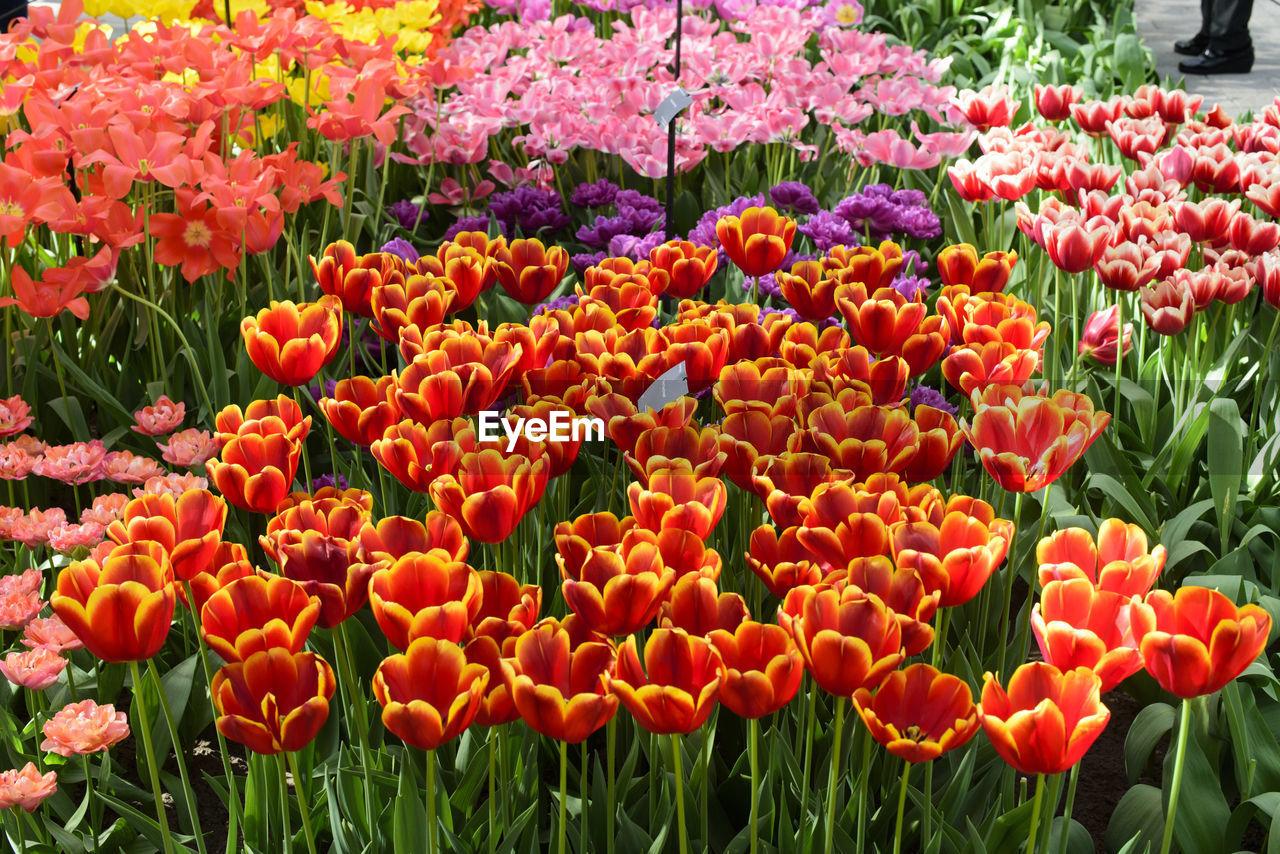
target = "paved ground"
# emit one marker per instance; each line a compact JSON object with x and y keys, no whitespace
{"x":1162,"y":22}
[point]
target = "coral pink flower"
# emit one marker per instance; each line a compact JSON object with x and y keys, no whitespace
{"x":190,"y":448}
{"x":36,"y":669}
{"x":128,"y":467}
{"x":25,"y":582}
{"x":50,"y":633}
{"x":15,"y":463}
{"x":69,"y":537}
{"x":18,"y":609}
{"x":33,"y":528}
{"x":174,"y":484}
{"x":26,"y":788}
{"x":15,"y":416}
{"x":29,"y":443}
{"x":162,"y":418}
{"x":76,"y":463}
{"x":84,"y":727}
{"x":106,"y":508}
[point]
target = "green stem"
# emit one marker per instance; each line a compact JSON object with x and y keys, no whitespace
{"x":1115,"y":409}
{"x":611,"y":738}
{"x":149,"y":752}
{"x":833,"y":780}
{"x":1065,"y":833}
{"x":582,"y":806}
{"x":285,"y":821}
{"x":88,"y":794}
{"x":561,"y":831}
{"x":177,"y":752}
{"x":431,"y":801}
{"x":1184,"y":723}
{"x":940,"y":637}
{"x":927,"y":835}
{"x":304,"y":805}
{"x":902,"y":808}
{"x":753,"y":753}
{"x":808,"y":753}
{"x":862,"y":788}
{"x":1035,"y":815}
{"x":1010,"y":576}
{"x":201,"y":387}
{"x":677,"y":766}
{"x":493,"y":822}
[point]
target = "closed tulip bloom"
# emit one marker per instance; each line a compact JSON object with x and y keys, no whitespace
{"x":617,"y":590}
{"x":189,"y":528}
{"x":291,"y":342}
{"x":748,"y":435}
{"x":256,"y":468}
{"x":697,"y":606}
{"x":395,"y":536}
{"x":1195,"y":641}
{"x":488,"y":494}
{"x":1120,"y":562}
{"x":809,"y":290}
{"x":422,"y":301}
{"x":1027,"y":444}
{"x":1075,"y":246}
{"x":462,"y":376}
{"x":1047,"y":720}
{"x":79,"y":729}
{"x":676,"y":688}
{"x":496,"y":707}
{"x":329,"y":568}
{"x":34,"y":669}
{"x":255,"y":613}
{"x":1054,"y":102}
{"x":849,"y":639}
{"x":1167,"y":307}
{"x":901,"y":589}
{"x":416,"y":455}
{"x":559,"y":686}
{"x":465,"y":270}
{"x":430,"y":693}
{"x":273,"y":701}
{"x":1100,"y":341}
{"x":281,"y":415}
{"x":957,"y":556}
{"x":938,"y":440}
{"x":361,"y":409}
{"x":678,"y":498}
{"x":342,"y":273}
{"x":665,"y":447}
{"x":680,"y":268}
{"x":867,"y":440}
{"x":422,"y":595}
{"x":960,"y":264}
{"x":919,"y":713}
{"x":785,"y":481}
{"x":122,"y":608}
{"x":763,"y":668}
{"x":781,"y":561}
{"x":529,"y":271}
{"x":1208,"y":221}
{"x":1078,"y":626}
{"x":757,"y":240}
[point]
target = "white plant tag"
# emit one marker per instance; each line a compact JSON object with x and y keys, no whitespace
{"x":668,"y":388}
{"x":671,"y":106}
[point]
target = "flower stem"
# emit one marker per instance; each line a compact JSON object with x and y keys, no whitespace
{"x":862,"y":789}
{"x":431,"y":801}
{"x":303,"y":804}
{"x":611,"y":737}
{"x":177,"y":752}
{"x":88,"y":794}
{"x":1035,"y":814}
{"x":147,"y":748}
{"x":834,"y":779}
{"x":1065,"y":833}
{"x":561,"y":830}
{"x":902,"y":808}
{"x":753,"y":752}
{"x":677,"y":766}
{"x":1010,"y":573}
{"x":493,"y":821}
{"x":808,"y":753}
{"x":1183,"y":725}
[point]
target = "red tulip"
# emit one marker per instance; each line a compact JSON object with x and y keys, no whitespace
{"x":560,"y":687}
{"x":430,"y":693}
{"x":918,"y":713}
{"x":676,"y":689}
{"x":757,"y":240}
{"x":1047,"y":720}
{"x":291,"y":342}
{"x":1078,"y":626}
{"x":763,"y":668}
{"x":848,"y":638}
{"x":273,"y":701}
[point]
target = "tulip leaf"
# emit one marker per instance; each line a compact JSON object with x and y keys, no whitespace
{"x":1226,"y":461}
{"x":409,"y":822}
{"x":1150,"y":725}
{"x":1137,"y":821}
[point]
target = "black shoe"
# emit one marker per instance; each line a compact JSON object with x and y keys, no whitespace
{"x":1193,"y":46}
{"x":1219,"y":62}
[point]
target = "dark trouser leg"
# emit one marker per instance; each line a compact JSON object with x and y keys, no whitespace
{"x":1229,"y":26}
{"x":1206,"y":18}
{"x":10,"y":11}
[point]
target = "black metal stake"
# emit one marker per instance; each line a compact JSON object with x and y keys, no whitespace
{"x":671,"y":133}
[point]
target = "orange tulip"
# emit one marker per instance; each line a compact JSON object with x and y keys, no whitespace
{"x":871,"y":266}
{"x":787,"y":480}
{"x":362,"y":409}
{"x":676,"y":689}
{"x":809,"y":289}
{"x":960,"y":265}
{"x":902,"y":591}
{"x":763,"y":668}
{"x":616,"y":590}
{"x":697,"y":606}
{"x":757,"y":240}
{"x":665,"y":447}
{"x":529,"y":271}
{"x":681,"y":268}
{"x":462,"y":376}
{"x":230,"y":562}
{"x":1030,"y":441}
{"x":1047,"y":720}
{"x":684,"y":552}
{"x":866,"y":441}
{"x":781,"y":561}
{"x":290,"y":342}
{"x":488,"y":494}
{"x":330,"y":569}
{"x":430,"y":693}
{"x":1195,"y":641}
{"x":770,"y":386}
{"x":507,"y":607}
{"x":395,"y":536}
{"x":422,"y":595}
{"x":419,"y":300}
{"x":956,"y":556}
{"x":1078,"y":626}
{"x":883,"y":321}
{"x":281,"y":415}
{"x":559,"y":686}
{"x":624,"y":424}
{"x":576,"y":540}
{"x":973,"y":367}
{"x":919,"y":713}
{"x":417,"y":455}
{"x":273,"y":701}
{"x":254,"y":613}
{"x":353,"y":278}
{"x":495,"y":707}
{"x":848,"y":638}
{"x":256,"y":468}
{"x":842,"y":523}
{"x":189,"y":528}
{"x":678,"y":498}
{"x":331,"y":512}
{"x":122,"y":608}
{"x":885,"y":378}
{"x":466,"y":272}
{"x":749,"y":435}
{"x":1119,"y":563}
{"x":938,"y":440}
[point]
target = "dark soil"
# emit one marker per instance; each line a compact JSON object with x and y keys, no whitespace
{"x":1102,"y":775}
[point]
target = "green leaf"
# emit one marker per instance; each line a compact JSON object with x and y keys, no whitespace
{"x":409,"y":824}
{"x":1226,"y":461}
{"x":1137,"y":821}
{"x":1150,"y":725}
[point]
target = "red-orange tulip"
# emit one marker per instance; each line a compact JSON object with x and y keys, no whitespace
{"x":330,"y":569}
{"x":255,"y":613}
{"x":961,"y":265}
{"x":274,"y":701}
{"x":430,"y":693}
{"x":667,"y":447}
{"x":416,"y":455}
{"x":255,"y":470}
{"x":1195,"y":641}
{"x":558,"y":686}
{"x":617,"y":590}
{"x":919,"y":713}
{"x":361,"y":409}
{"x":902,"y":591}
{"x":1120,"y":562}
{"x":681,"y":268}
{"x":461,"y":376}
{"x":781,"y":561}
{"x":281,"y":415}
{"x":956,"y":556}
{"x":352,"y":278}
{"x":676,"y":689}
{"x":121,"y":609}
{"x":868,"y":440}
{"x":697,"y":606}
{"x":1078,"y":626}
{"x":848,"y":638}
{"x":809,"y":289}
{"x":291,"y":342}
{"x":938,"y":440}
{"x":757,"y":240}
{"x":763,"y":668}
{"x":422,"y":595}
{"x":395,"y":536}
{"x":422,"y":301}
{"x":529,"y":271}
{"x":678,"y":498}
{"x":188,"y":528}
{"x":488,"y":494}
{"x":1047,"y":720}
